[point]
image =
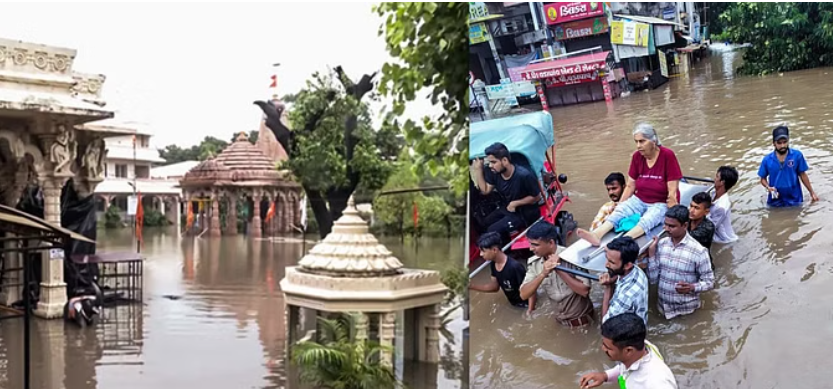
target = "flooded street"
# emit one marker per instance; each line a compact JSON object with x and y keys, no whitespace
{"x":213,"y":317}
{"x":770,"y":310}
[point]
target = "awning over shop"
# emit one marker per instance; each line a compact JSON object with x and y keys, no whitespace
{"x":649,"y":20}
{"x":563,"y":67}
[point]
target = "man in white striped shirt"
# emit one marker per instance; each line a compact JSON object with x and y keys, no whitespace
{"x":680,"y":265}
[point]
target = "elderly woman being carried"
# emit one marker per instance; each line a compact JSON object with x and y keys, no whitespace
{"x":652,"y":187}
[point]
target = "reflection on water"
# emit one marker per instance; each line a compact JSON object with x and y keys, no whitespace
{"x":213,"y":317}
{"x":762,"y":324}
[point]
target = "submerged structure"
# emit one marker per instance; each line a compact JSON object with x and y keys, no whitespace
{"x":351,"y":272}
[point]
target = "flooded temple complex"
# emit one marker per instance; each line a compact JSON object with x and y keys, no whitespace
{"x":45,"y":147}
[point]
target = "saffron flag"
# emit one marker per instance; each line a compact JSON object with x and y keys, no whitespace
{"x":271,"y":212}
{"x":189,"y":221}
{"x":416,"y":216}
{"x":140,"y":215}
{"x":274,"y":83}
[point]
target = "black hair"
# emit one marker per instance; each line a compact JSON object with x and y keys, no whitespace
{"x":499,"y":151}
{"x":626,"y":329}
{"x":703,"y":199}
{"x":627,"y":248}
{"x":489,"y":240}
{"x":678,"y":212}
{"x":729,"y":175}
{"x":542,"y":231}
{"x":615,"y":177}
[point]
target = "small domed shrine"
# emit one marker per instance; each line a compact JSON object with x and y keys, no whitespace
{"x":351,"y":272}
{"x":244,"y":171}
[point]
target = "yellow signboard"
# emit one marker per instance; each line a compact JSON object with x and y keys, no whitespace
{"x":629,"y":33}
{"x":478,"y":33}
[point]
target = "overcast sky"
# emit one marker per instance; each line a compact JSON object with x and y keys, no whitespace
{"x":191,"y":70}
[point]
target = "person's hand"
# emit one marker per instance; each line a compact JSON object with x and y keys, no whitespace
{"x":511,"y":207}
{"x":592,"y":380}
{"x":652,"y":249}
{"x":552,"y":261}
{"x":606,"y":280}
{"x":477,"y":164}
{"x":814,"y":197}
{"x":685,"y":288}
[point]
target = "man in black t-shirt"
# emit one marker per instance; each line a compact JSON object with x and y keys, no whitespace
{"x":507,"y":273}
{"x":517,"y":187}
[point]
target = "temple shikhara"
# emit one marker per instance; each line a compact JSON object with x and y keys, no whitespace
{"x":244,"y":171}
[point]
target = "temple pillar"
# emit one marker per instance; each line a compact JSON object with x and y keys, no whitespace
{"x":231,"y":219}
{"x":296,"y":210}
{"x":161,"y":206}
{"x":178,"y":215}
{"x":10,"y":294}
{"x":430,"y":326}
{"x":53,"y":295}
{"x":214,"y":230}
{"x":361,"y":325}
{"x":387,"y":335}
{"x":256,"y":221}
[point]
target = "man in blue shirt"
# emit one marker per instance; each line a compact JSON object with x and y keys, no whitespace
{"x":784,"y":167}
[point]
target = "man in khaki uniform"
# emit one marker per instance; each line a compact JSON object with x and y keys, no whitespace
{"x":569,"y":294}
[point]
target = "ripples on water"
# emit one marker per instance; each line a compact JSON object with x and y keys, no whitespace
{"x":213,"y":318}
{"x":769,"y":313}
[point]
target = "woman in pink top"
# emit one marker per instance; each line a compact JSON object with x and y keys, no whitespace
{"x":652,"y":187}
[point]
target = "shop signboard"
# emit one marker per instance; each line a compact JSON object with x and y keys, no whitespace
{"x":629,"y":33}
{"x":478,"y":33}
{"x":581,"y":28}
{"x":566,"y":12}
{"x":663,"y":64}
{"x":512,"y":99}
{"x":478,"y":10}
{"x":572,"y":79}
{"x":558,"y":71}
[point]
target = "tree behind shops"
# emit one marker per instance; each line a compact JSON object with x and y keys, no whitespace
{"x":784,"y":36}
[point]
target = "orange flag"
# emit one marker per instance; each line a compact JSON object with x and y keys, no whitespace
{"x":140,"y":215}
{"x":271,"y":212}
{"x":189,"y":220}
{"x":416,"y":215}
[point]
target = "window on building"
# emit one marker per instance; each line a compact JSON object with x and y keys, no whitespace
{"x":142,"y":171}
{"x":121,"y":171}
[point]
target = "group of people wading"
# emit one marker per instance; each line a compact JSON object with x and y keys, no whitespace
{"x":679,"y":262}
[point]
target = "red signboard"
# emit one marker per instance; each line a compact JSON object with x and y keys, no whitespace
{"x":580,"y":28}
{"x":566,"y":12}
{"x":572,"y":79}
{"x":562,"y":70}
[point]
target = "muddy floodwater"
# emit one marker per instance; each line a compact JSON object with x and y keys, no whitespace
{"x":767,"y":323}
{"x":212,"y":318}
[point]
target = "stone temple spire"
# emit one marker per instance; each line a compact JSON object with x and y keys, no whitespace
{"x":350,"y":250}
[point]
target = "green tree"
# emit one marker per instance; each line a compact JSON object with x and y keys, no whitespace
{"x":340,"y":361}
{"x":784,"y":36}
{"x":396,"y":210}
{"x":208,"y":148}
{"x":112,"y":217}
{"x":429,"y":42}
{"x":333,"y":150}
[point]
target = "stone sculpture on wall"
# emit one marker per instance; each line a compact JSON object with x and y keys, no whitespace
{"x":93,"y":162}
{"x":63,"y":151}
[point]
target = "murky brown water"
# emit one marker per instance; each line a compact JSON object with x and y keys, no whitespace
{"x":225,"y":330}
{"x":767,"y":323}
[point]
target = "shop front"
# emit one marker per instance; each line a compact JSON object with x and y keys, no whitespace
{"x":581,"y":78}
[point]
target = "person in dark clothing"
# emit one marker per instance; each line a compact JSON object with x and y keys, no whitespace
{"x":517,"y":187}
{"x":507,"y":273}
{"x":700,"y":227}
